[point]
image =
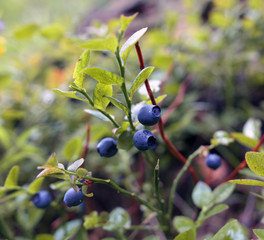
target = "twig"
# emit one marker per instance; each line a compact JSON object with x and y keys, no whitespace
{"x":171,"y":147}
{"x":243,"y":164}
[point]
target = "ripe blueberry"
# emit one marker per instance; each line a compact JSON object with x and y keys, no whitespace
{"x":213,"y":161}
{"x":149,"y":115}
{"x":107,"y":147}
{"x":144,"y":140}
{"x":72,"y":198}
{"x":42,"y":199}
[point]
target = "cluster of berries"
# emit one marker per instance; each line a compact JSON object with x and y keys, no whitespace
{"x":143,"y":139}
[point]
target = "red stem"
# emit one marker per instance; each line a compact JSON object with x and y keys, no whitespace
{"x":171,"y":147}
{"x":243,"y":164}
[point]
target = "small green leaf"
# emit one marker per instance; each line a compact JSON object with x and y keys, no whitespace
{"x":202,"y":194}
{"x":248,"y":182}
{"x":108,"y":44}
{"x":5,"y":137}
{"x":73,"y":148}
{"x":158,"y":99}
{"x":82,"y":172}
{"x":101,"y":91}
{"x":104,"y":76}
{"x":11,"y":180}
{"x":221,"y":234}
{"x":221,"y":137}
{"x":213,"y":211}
{"x":183,"y":224}
{"x":118,"y":220}
{"x":118,"y":104}
{"x":35,"y":186}
{"x":97,"y":114}
{"x":188,"y":235}
{"x":44,"y":237}
{"x":2,"y":191}
{"x":74,"y":166}
{"x":54,"y":31}
{"x":233,"y":230}
{"x":26,"y":31}
{"x":122,"y":129}
{"x":252,"y":128}
{"x":244,"y":140}
{"x":126,"y":20}
{"x":78,"y":74}
{"x":255,"y":161}
{"x":52,"y":161}
{"x":68,"y":230}
{"x":125,"y":140}
{"x":222,"y":192}
{"x":129,"y":44}
{"x":91,"y":221}
{"x":259,"y":233}
{"x":70,"y":94}
{"x":140,"y":79}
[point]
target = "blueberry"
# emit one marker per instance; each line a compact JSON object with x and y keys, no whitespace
{"x":213,"y":161}
{"x":72,"y":198}
{"x":144,"y":140}
{"x":149,"y":115}
{"x":42,"y":199}
{"x":107,"y":147}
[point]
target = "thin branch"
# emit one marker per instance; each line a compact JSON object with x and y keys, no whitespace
{"x":243,"y":164}
{"x":171,"y":147}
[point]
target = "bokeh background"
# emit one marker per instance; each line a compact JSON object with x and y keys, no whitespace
{"x":217,"y":44}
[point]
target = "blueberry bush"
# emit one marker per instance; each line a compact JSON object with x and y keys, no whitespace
{"x":130,"y":127}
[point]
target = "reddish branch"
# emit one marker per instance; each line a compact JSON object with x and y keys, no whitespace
{"x":178,"y":99}
{"x":171,"y":147}
{"x":244,"y":163}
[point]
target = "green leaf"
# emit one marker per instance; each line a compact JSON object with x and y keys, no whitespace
{"x":82,"y":172}
{"x":183,"y":224}
{"x":11,"y":180}
{"x":68,"y":230}
{"x":35,"y":186}
{"x":126,"y":20}
{"x":73,"y":148}
{"x":188,"y":235}
{"x":244,"y":140}
{"x":54,"y":31}
{"x":259,"y":233}
{"x":158,"y":99}
{"x":123,"y":128}
{"x":248,"y":173}
{"x":74,"y":166}
{"x":5,"y":137}
{"x":101,"y":91}
{"x":255,"y":161}
{"x":252,"y":128}
{"x":26,"y":31}
{"x":118,"y":104}
{"x":222,"y":192}
{"x":70,"y":94}
{"x":257,"y":195}
{"x":44,"y":237}
{"x":221,"y":137}
{"x":125,"y":140}
{"x":248,"y":182}
{"x":2,"y":191}
{"x":118,"y":220}
{"x":129,"y":44}
{"x":97,"y":114}
{"x":78,"y":74}
{"x":91,"y":221}
{"x":202,"y":194}
{"x":213,"y":211}
{"x":233,"y":230}
{"x":104,"y":76}
{"x":140,"y":79}
{"x":108,"y":44}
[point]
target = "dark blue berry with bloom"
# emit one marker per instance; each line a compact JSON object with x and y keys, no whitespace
{"x":213,"y":161}
{"x":144,"y":140}
{"x":149,"y":115}
{"x":42,"y":199}
{"x":107,"y":147}
{"x":73,"y":198}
